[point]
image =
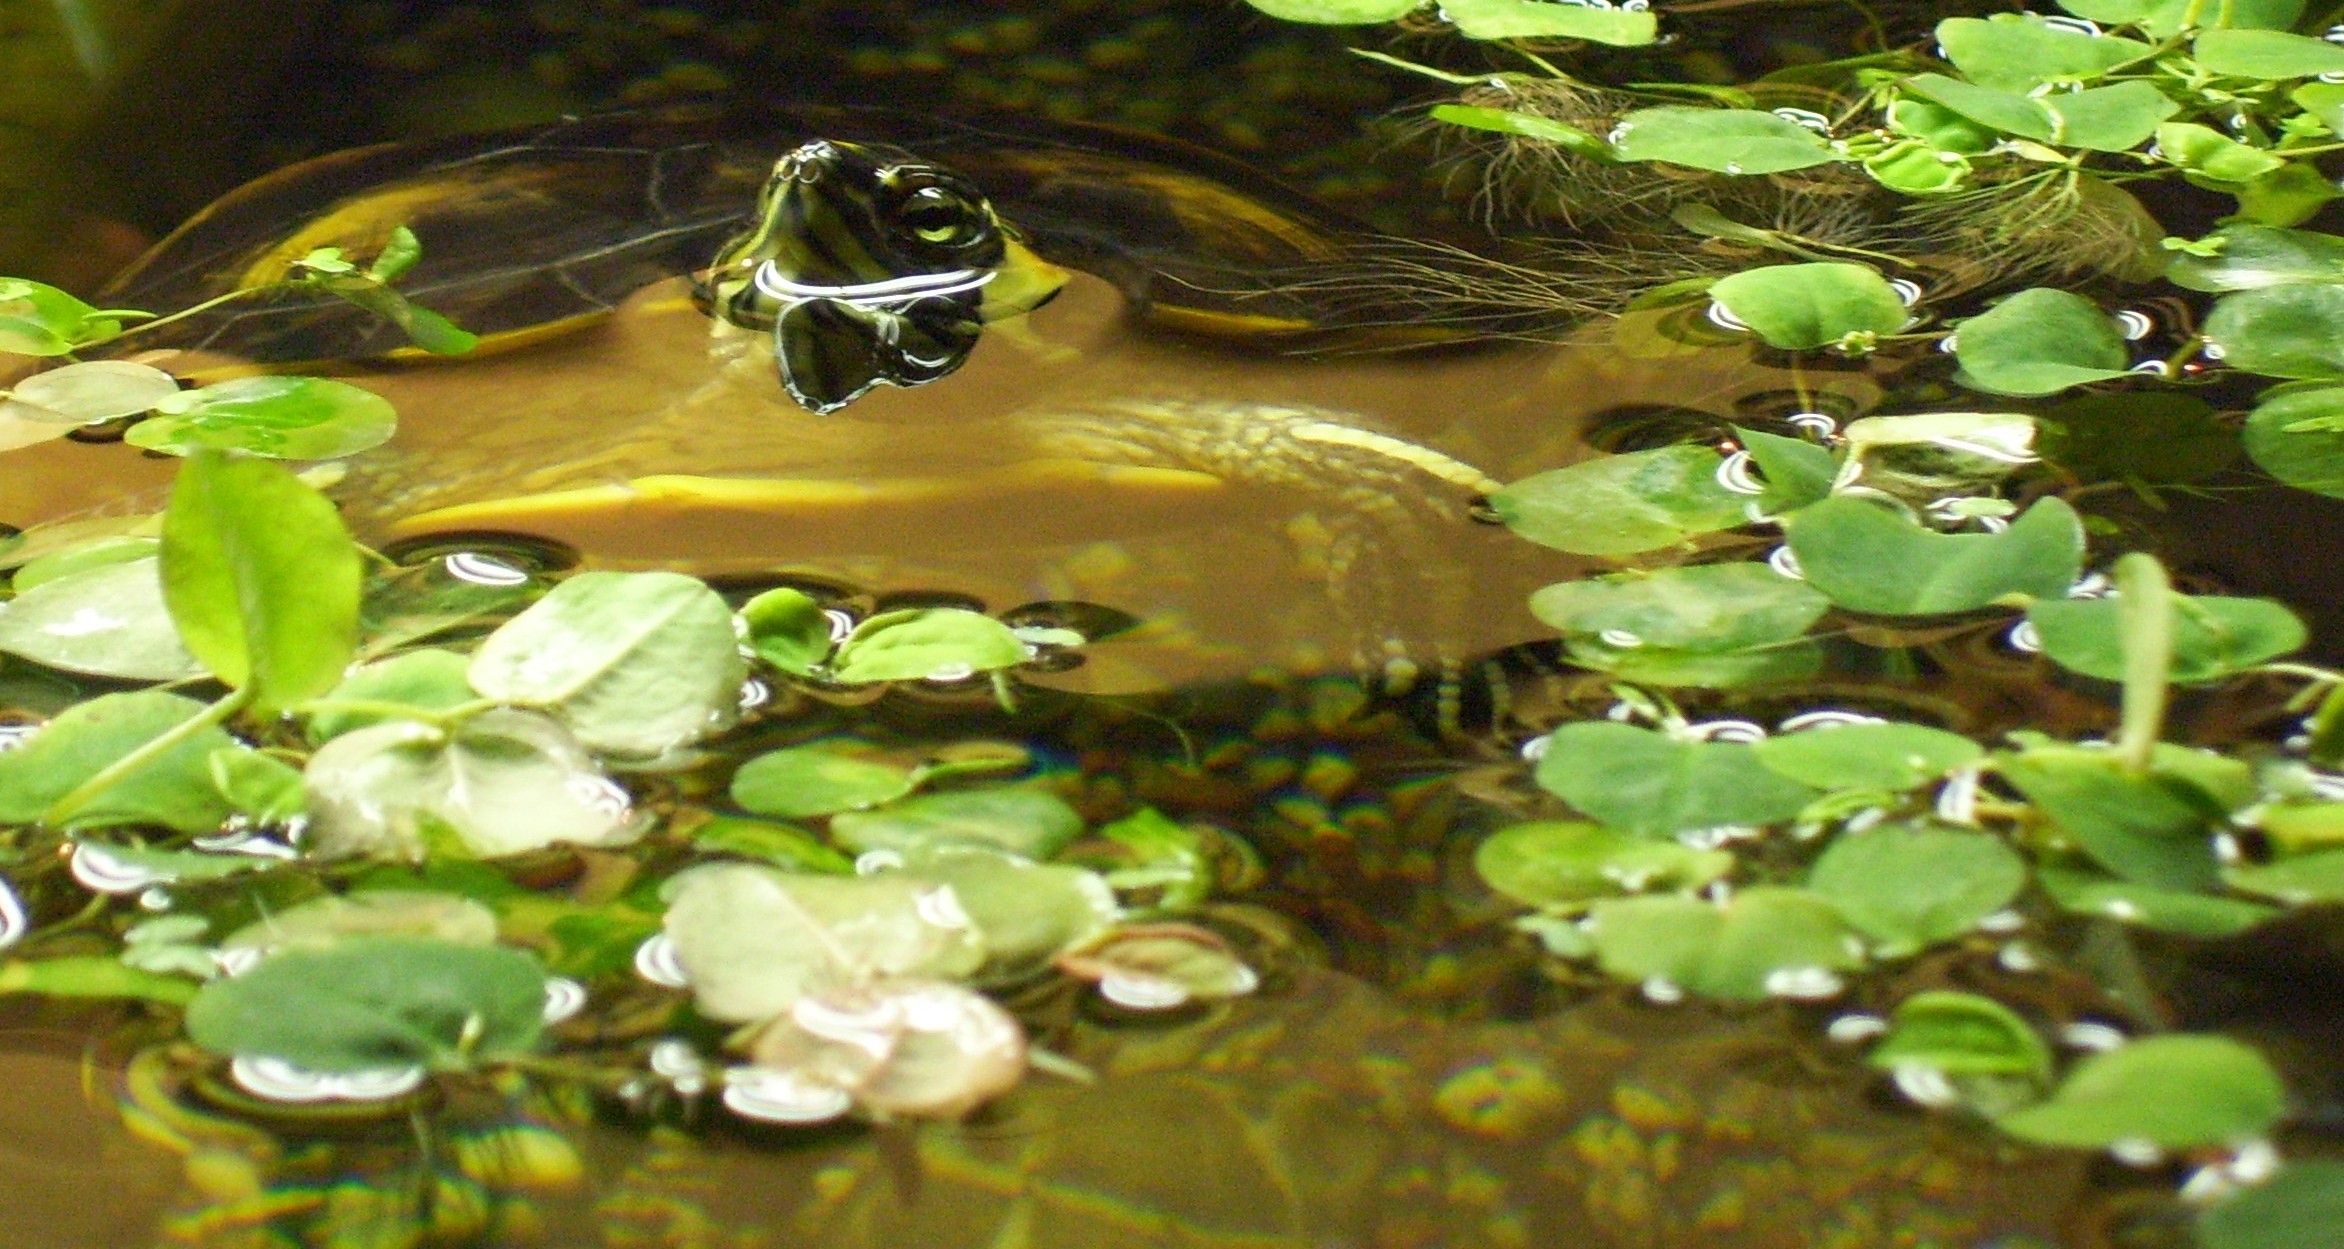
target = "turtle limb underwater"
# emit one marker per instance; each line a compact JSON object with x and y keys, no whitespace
{"x":1178,"y":432}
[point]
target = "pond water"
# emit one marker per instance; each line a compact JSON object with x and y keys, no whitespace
{"x":1277,"y":689}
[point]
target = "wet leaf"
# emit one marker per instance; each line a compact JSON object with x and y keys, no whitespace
{"x":1914,"y":168}
{"x":262,"y":788}
{"x":94,"y":976}
{"x":1527,"y":125}
{"x":2296,"y":879}
{"x":335,"y":918}
{"x":755,"y":940}
{"x":1888,"y":756}
{"x":2213,"y":636}
{"x":923,"y":1049}
{"x":926,"y":644}
{"x":503,"y":782}
{"x":2265,"y":54}
{"x":83,"y":556}
{"x":1335,"y":12}
{"x":282,"y":417}
{"x":1623,"y":504}
{"x":1720,"y":140}
{"x":1708,"y":607}
{"x":2165,"y":910}
{"x":108,"y":621}
{"x":261,"y":578}
{"x":2116,"y":118}
{"x":1030,"y":822}
{"x":633,"y":663}
{"x":2175,"y":1092}
{"x":1924,"y":458}
{"x":787,"y":629}
{"x":1961,"y":1034}
{"x":1767,"y":942}
{"x":2006,"y":112}
{"x":2298,"y":437}
{"x":2020,"y":51}
{"x":1847,"y":548}
{"x":370,"y":1003}
{"x":2212,"y":155}
{"x":40,"y":320}
{"x":2039,"y":341}
{"x":2249,"y":257}
{"x":138,"y":866}
{"x":1158,"y":966}
{"x":1655,"y":785}
{"x":1545,"y":19}
{"x":2150,"y":828}
{"x":818,"y":779}
{"x":1797,"y":471}
{"x":1165,"y":855}
{"x":782,"y":845}
{"x":174,"y":790}
{"x":90,"y":392}
{"x":425,"y":681}
{"x":1804,"y":306}
{"x":1555,"y":863}
{"x":2285,"y":196}
{"x":2164,"y":17}
{"x":1781,"y":662}
{"x":1939,"y":127}
{"x":2300,"y":1206}
{"x":2282,"y":331}
{"x":1025,"y":912}
{"x":1908,"y":888}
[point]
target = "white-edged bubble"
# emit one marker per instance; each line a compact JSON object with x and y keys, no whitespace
{"x":15,"y":735}
{"x":1855,"y":1029}
{"x":479,"y":568}
{"x":1726,"y":731}
{"x":2024,"y":638}
{"x":2135,"y":324}
{"x":281,"y":1081}
{"x":102,"y":872}
{"x":235,"y":960}
{"x":782,"y":1096}
{"x":1907,"y":290}
{"x":13,"y":924}
{"x":2077,"y":25}
{"x":2001,"y":923}
{"x":2135,"y":1151}
{"x":1139,"y":992}
{"x":1822,"y":425}
{"x":1784,"y":563}
{"x":1662,"y":990}
{"x":1925,"y":1085}
{"x":1535,"y":749}
{"x":2018,"y":956}
{"x":881,"y":859}
{"x":2092,"y":1035}
{"x":656,"y":961}
{"x":1722,"y":318}
{"x":564,"y":997}
{"x":1738,"y":474}
{"x":673,"y":1058}
{"x":941,"y":906}
{"x":1619,"y":639}
{"x":1957,"y":798}
{"x":1805,"y":984}
{"x":1829,"y":717}
{"x":957,"y":670}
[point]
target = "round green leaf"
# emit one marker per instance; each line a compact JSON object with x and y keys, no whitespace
{"x":2266,"y":54}
{"x":1707,"y":607}
{"x":2251,"y":256}
{"x":1335,"y":12}
{"x":40,"y":320}
{"x":1797,"y":472}
{"x":1914,"y":168}
{"x":427,"y":680}
{"x":1796,"y":660}
{"x":818,"y":779}
{"x":261,"y":578}
{"x":2107,"y":119}
{"x":1894,"y":757}
{"x":2295,"y":879}
{"x":2210,"y":154}
{"x":1910,"y":888}
{"x":1871,"y":558}
{"x":1029,"y":822}
{"x":2004,"y":112}
{"x":1556,"y":863}
{"x":90,"y":392}
{"x":1804,"y":306}
{"x":2175,"y":1092}
{"x":83,"y":556}
{"x":2282,"y":331}
{"x":2164,"y":17}
{"x":107,"y":620}
{"x":2138,"y":825}
{"x":2213,"y":637}
{"x":1938,"y":127}
{"x":787,"y":629}
{"x":1623,"y":504}
{"x":2147,"y":906}
{"x":1720,"y":140}
{"x":1961,"y":1034}
{"x":926,"y":644}
{"x":1026,"y":912}
{"x":282,"y":417}
{"x":1546,"y":19}
{"x":1767,"y":942}
{"x":2298,"y":437}
{"x":1655,"y":785}
{"x":2020,"y":51}
{"x":369,"y":1003}
{"x":633,"y":663}
{"x":2039,"y":341}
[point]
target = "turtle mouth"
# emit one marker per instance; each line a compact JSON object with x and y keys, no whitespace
{"x":773,"y":283}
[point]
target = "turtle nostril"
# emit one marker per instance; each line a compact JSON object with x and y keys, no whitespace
{"x":808,"y":163}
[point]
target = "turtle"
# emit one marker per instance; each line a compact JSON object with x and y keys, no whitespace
{"x":746,"y":340}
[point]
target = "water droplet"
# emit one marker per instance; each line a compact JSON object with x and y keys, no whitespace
{"x":782,"y":1096}
{"x":2092,"y":1035}
{"x":281,"y":1081}
{"x":564,"y":997}
{"x":1925,"y":1085}
{"x":656,"y":961}
{"x":483,"y":569}
{"x":1856,"y":1029}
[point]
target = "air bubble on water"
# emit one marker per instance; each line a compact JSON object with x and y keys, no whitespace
{"x":957,"y":670}
{"x":1737,"y":473}
{"x":1829,"y":717}
{"x":2138,"y":1152}
{"x":13,"y":924}
{"x":1925,"y":1085}
{"x":1535,"y":749}
{"x":1719,"y":316}
{"x":656,"y":961}
{"x":281,"y":1081}
{"x":1662,"y":990}
{"x":1784,"y":563}
{"x":782,"y":1096}
{"x":1804,"y":984}
{"x":564,"y":997}
{"x":2092,"y":1035}
{"x":1139,"y":992}
{"x":482,"y":569}
{"x":1856,"y":1029}
{"x":1620,"y":639}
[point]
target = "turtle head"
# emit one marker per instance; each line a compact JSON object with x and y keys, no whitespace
{"x":869,"y":265}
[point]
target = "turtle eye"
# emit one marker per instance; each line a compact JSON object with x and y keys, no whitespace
{"x":937,"y":215}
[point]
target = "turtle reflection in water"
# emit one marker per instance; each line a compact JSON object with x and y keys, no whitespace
{"x":1164,"y":414}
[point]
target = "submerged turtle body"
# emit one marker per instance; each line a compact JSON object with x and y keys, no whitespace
{"x":1173,"y":434}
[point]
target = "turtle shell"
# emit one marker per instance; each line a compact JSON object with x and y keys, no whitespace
{"x":532,"y":228}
